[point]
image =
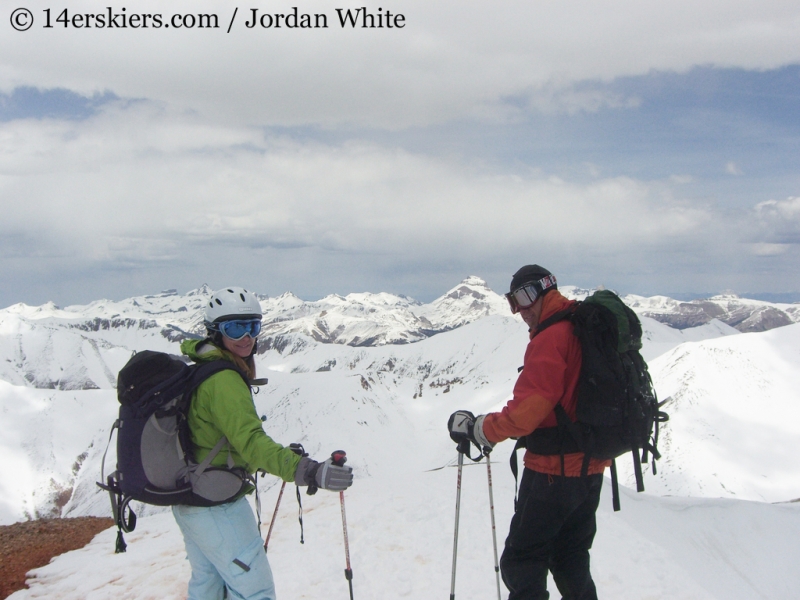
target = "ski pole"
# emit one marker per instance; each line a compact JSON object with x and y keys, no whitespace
{"x":494,"y":529}
{"x":339,"y":457}
{"x":300,"y":451}
{"x":274,"y":516}
{"x":458,"y":513}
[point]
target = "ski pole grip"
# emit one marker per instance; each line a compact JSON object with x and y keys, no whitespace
{"x":339,"y":457}
{"x":463,"y":447}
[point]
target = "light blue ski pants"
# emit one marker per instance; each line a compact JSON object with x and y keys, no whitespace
{"x":224,"y":548}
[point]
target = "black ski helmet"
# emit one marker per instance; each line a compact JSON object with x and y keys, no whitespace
{"x":533,"y":274}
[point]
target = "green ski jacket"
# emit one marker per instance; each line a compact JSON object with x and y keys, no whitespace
{"x":223,"y":405}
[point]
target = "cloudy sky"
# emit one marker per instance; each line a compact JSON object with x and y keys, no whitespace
{"x":650,"y":147}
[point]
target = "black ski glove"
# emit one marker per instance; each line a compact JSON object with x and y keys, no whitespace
{"x":464,"y":428}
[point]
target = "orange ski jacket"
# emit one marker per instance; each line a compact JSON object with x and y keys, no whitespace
{"x":549,"y":376}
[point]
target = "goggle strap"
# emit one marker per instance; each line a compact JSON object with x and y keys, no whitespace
{"x":537,"y":287}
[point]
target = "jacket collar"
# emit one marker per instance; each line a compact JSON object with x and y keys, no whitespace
{"x":552,"y":302}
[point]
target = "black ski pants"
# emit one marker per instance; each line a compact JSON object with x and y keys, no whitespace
{"x":552,"y":529}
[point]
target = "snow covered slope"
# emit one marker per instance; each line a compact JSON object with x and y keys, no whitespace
{"x":400,"y":529}
{"x":734,"y":417}
{"x":392,"y":399}
{"x":658,"y":338}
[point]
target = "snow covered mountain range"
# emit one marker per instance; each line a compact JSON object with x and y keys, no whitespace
{"x":378,"y":375}
{"x":82,"y":347}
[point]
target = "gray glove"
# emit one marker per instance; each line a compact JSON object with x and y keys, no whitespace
{"x":325,"y":475}
{"x":464,"y":427}
{"x":334,"y":477}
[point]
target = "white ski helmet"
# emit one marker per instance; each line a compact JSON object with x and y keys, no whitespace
{"x":232,"y":303}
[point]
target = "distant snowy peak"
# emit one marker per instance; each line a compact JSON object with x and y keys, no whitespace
{"x":375,"y":319}
{"x":358,"y":319}
{"x":470,"y":300}
{"x":743,"y":314}
{"x":575,"y":293}
{"x":367,"y":319}
{"x":471,"y":293}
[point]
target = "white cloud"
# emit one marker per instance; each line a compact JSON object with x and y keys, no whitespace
{"x":454,"y":59}
{"x":144,"y":183}
{"x":763,"y":249}
{"x":773,"y":227}
{"x":182,"y":165}
{"x":732,"y":168}
{"x":565,"y":98}
{"x":788,"y":209}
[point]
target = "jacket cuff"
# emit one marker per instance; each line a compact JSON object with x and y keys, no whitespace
{"x":478,"y":434}
{"x":488,"y":428}
{"x":306,"y":472}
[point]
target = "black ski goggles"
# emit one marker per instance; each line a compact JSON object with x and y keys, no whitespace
{"x":237,"y":329}
{"x":525,"y":296}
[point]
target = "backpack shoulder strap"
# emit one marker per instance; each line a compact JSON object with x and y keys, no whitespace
{"x":555,"y":318}
{"x":204,"y":370}
{"x":201,"y":372}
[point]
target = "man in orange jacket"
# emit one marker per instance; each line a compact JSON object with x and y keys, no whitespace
{"x":554,"y":523}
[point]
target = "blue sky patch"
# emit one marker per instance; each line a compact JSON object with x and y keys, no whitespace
{"x":59,"y":103}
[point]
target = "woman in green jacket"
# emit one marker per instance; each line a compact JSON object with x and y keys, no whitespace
{"x":223,"y":543}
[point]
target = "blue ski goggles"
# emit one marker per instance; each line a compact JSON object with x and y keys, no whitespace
{"x":237,"y":329}
{"x":526,"y":295}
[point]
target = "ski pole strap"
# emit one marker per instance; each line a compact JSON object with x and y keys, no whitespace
{"x":298,"y":449}
{"x":311,"y":474}
{"x":464,"y":447}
